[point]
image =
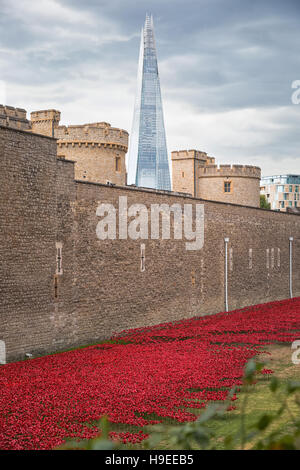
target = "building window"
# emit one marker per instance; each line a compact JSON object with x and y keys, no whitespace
{"x":59,"y":258}
{"x":182,"y":174}
{"x":118,"y":164}
{"x":290,"y":188}
{"x":227,"y":187}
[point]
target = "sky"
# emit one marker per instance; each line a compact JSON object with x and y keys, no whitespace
{"x":226,"y":70}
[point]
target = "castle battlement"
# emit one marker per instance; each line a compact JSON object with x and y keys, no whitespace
{"x":15,"y":118}
{"x":96,"y":134}
{"x":187,"y":154}
{"x":45,"y":115}
{"x":247,"y":171}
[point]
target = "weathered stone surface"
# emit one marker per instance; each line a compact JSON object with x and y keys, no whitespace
{"x":102,"y":289}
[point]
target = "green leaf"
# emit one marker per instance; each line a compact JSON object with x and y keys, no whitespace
{"x":274,"y":384}
{"x":264,"y":422}
{"x":209,"y":413}
{"x":228,"y":441}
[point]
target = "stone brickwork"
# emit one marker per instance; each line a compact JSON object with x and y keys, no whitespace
{"x":244,"y":184}
{"x":62,"y":287}
{"x":196,"y":173}
{"x":28,"y":221}
{"x":186,"y":165}
{"x":178,"y":283}
{"x":45,"y":122}
{"x":14,"y":118}
{"x":97,"y":149}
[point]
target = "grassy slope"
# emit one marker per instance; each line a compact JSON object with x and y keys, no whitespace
{"x":260,"y":400}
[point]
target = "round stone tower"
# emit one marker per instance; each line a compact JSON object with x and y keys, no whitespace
{"x":237,"y":184}
{"x":98,"y":149}
{"x":196,"y":173}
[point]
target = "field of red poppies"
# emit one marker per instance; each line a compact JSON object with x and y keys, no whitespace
{"x":162,"y":371}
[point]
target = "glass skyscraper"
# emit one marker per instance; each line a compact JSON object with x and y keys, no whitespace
{"x":148,"y":163}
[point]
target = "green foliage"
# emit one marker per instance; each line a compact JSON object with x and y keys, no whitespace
{"x":199,"y":435}
{"x":264,"y":204}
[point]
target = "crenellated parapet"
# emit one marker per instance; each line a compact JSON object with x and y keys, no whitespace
{"x":15,"y":118}
{"x":246,"y":171}
{"x":192,"y":154}
{"x":45,"y":115}
{"x":97,"y":149}
{"x":45,"y":122}
{"x":99,"y":134}
{"x":196,"y":173}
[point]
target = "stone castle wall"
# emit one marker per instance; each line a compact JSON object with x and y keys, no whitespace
{"x":28,"y":221}
{"x":14,"y":118}
{"x":102,"y":289}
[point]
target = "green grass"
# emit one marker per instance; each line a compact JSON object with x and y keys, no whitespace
{"x":259,"y":399}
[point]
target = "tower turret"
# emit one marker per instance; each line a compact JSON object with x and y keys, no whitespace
{"x":45,"y":122}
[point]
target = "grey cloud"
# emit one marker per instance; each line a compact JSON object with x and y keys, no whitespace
{"x":214,"y":56}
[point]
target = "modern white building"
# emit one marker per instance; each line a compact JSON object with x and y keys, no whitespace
{"x":281,"y":191}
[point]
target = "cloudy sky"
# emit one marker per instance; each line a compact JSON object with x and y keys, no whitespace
{"x":226,"y":70}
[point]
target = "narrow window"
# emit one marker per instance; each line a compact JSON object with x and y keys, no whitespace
{"x":2,"y":353}
{"x":182,"y":174}
{"x":59,"y":258}
{"x":268,"y":258}
{"x":231,"y":259}
{"x":227,"y":186}
{"x":143,"y":266}
{"x":278,"y":257}
{"x":272,"y":258}
{"x":55,"y":286}
{"x":250,"y":258}
{"x":118,"y":164}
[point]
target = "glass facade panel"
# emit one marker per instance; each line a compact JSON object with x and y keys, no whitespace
{"x":148,"y":162}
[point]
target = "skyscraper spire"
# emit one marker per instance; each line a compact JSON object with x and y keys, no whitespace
{"x":148,"y":163}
